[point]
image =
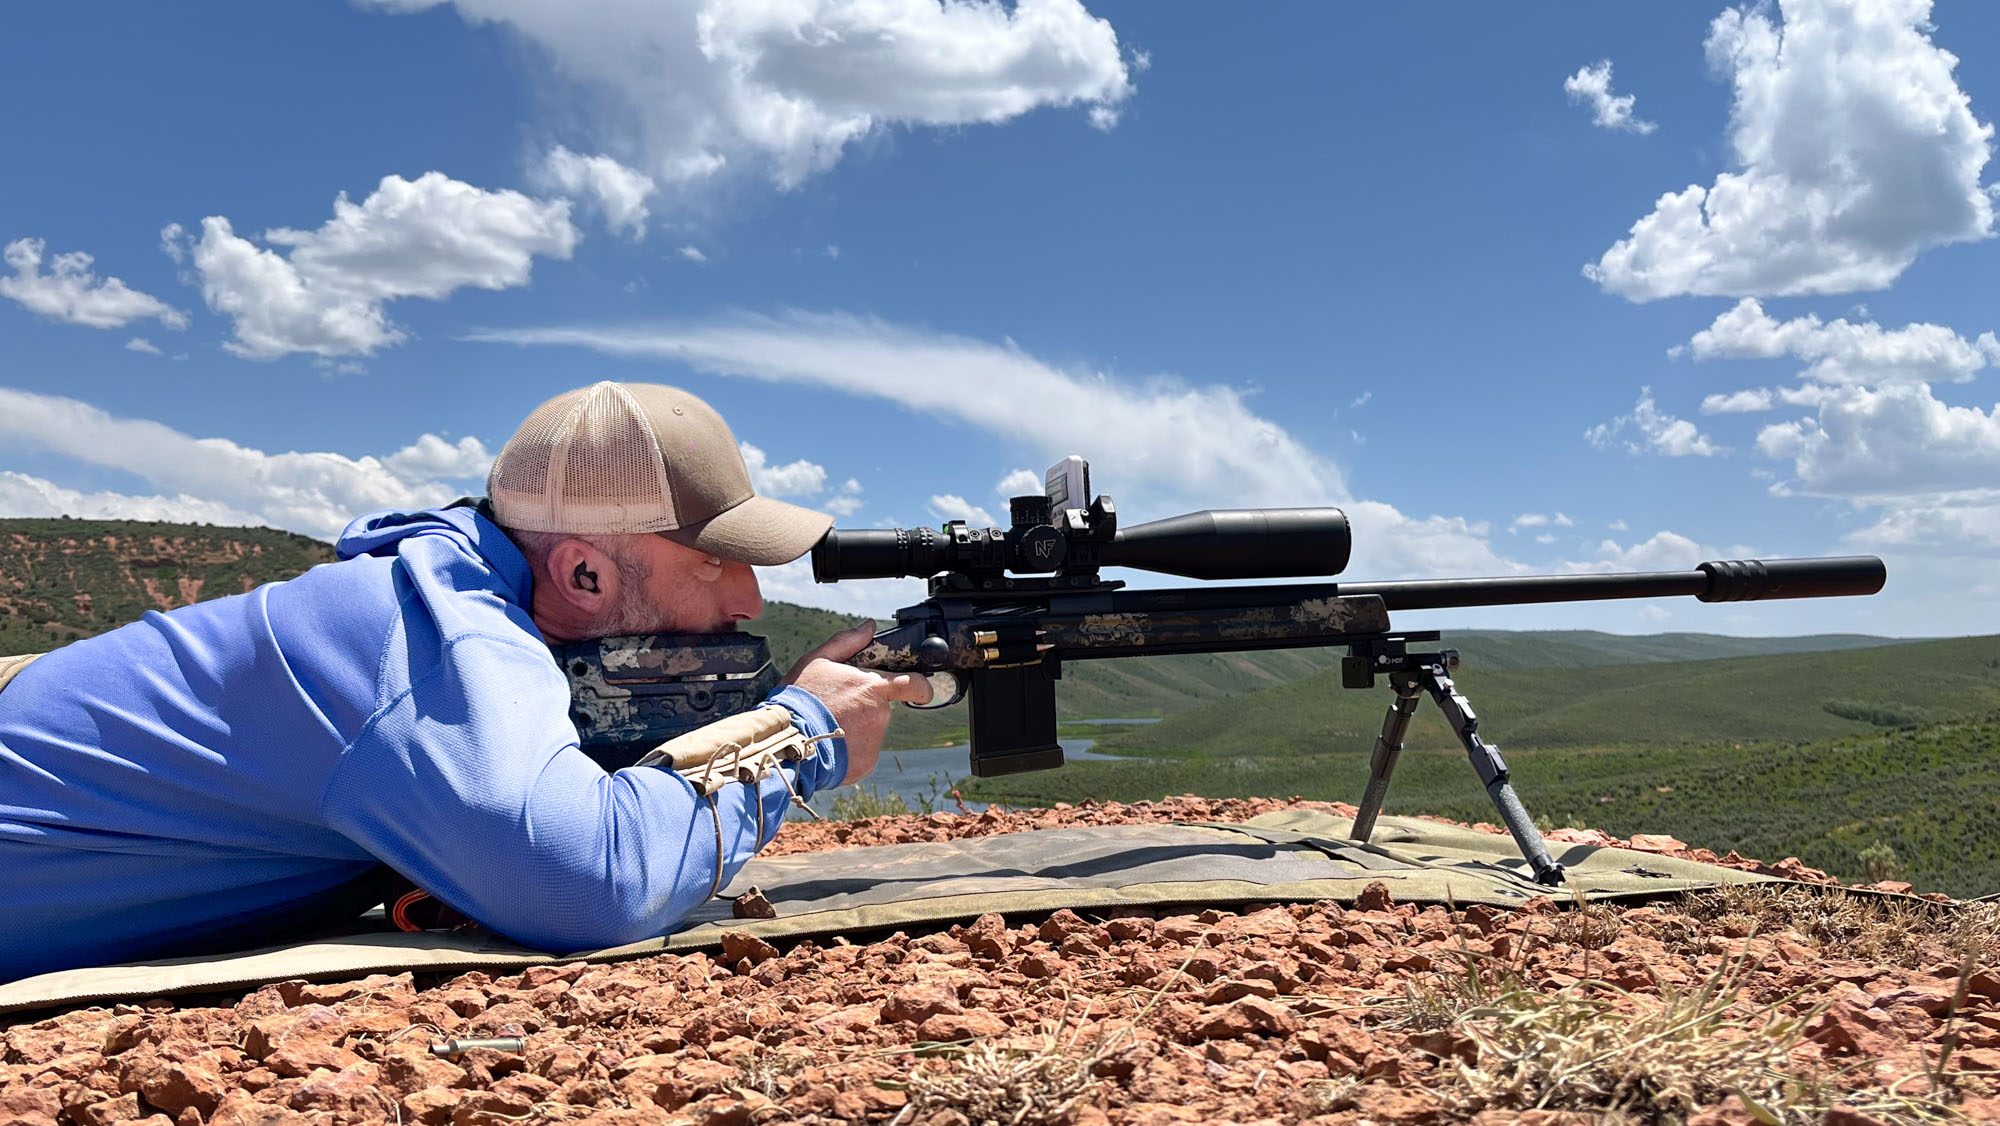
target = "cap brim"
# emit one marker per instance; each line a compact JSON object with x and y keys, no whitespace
{"x":760,"y":531}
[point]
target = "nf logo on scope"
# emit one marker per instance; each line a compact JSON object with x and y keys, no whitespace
{"x":1045,"y":548}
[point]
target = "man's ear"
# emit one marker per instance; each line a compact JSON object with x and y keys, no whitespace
{"x":582,"y":577}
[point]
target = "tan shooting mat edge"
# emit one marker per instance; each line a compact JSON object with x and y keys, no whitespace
{"x":1292,"y":856}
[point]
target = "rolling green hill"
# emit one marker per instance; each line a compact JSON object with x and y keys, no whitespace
{"x":1148,"y":687}
{"x":1819,"y":755}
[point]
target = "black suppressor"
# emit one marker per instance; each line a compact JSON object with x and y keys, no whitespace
{"x":1731,"y":580}
{"x":1248,"y":543}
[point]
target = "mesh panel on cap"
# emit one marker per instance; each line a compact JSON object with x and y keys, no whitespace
{"x":585,"y":462}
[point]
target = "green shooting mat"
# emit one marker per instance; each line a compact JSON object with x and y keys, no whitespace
{"x":1293,"y":856}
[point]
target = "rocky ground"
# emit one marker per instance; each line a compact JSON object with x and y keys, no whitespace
{"x":1787,"y":1005}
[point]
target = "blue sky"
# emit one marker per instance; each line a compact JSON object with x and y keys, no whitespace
{"x":1244,"y":256}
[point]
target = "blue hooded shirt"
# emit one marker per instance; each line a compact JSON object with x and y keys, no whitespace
{"x":187,"y":776}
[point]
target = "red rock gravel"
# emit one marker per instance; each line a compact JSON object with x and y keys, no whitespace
{"x":1309,"y":1012}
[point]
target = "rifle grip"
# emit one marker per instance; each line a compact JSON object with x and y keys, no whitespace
{"x":1013,"y":716}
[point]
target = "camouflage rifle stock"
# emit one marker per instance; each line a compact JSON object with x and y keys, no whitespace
{"x":630,"y":694}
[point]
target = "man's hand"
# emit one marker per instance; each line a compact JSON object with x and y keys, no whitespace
{"x":859,"y":699}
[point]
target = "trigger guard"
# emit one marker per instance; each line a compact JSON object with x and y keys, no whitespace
{"x":947,"y":688}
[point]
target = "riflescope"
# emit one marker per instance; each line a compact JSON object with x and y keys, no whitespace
{"x":1046,"y":538}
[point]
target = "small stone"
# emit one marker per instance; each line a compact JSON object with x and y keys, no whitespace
{"x":738,"y":946}
{"x":431,"y":1106}
{"x":1041,"y":966}
{"x":962,"y":1026}
{"x":1246,"y":1016}
{"x":1223,"y":992}
{"x":124,"y":1108}
{"x":491,"y":1108}
{"x":1655,"y":842}
{"x":29,"y":1106}
{"x":919,"y":1003}
{"x":987,"y":937}
{"x":1062,"y":924}
{"x":1374,"y":897}
{"x":175,"y":1087}
{"x":752,"y":905}
{"x":241,"y":1108}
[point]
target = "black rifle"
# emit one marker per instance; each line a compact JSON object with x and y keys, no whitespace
{"x":998,"y":640}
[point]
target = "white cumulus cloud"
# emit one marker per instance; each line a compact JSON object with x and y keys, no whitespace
{"x":1020,"y":483}
{"x":847,"y":501}
{"x":431,"y":457}
{"x":617,"y":192}
{"x":410,"y":238}
{"x":1592,"y":86}
{"x":951,"y":506}
{"x":141,"y":344}
{"x":1664,"y":551}
{"x":215,"y":479}
{"x":1856,"y":151}
{"x":1540,"y":520}
{"x":25,"y":496}
{"x":782,"y":87}
{"x":800,"y":478}
{"x":70,"y":292}
{"x":1844,"y":352}
{"x":1737,"y":402}
{"x":1653,"y":429}
{"x":1889,"y":442}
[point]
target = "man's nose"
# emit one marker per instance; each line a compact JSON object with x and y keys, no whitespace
{"x":741,"y":599}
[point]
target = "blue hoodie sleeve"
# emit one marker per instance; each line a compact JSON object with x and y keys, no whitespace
{"x":471,"y":785}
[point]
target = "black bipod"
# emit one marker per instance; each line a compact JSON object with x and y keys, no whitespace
{"x":1412,"y":675}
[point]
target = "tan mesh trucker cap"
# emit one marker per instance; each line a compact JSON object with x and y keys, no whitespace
{"x":626,"y":458}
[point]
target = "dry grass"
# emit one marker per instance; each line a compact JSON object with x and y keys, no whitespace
{"x":1438,"y":999}
{"x":1851,"y":927}
{"x":994,"y":1086}
{"x":1634,"y":1057}
{"x":771,"y":1072}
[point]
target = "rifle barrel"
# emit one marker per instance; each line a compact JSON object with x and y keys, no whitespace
{"x":1733,"y":580}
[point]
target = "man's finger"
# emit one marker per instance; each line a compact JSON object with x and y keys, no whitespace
{"x":909,"y":688}
{"x":844,"y":645}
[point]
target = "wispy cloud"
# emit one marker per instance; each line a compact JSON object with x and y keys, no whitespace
{"x":1592,"y":86}
{"x":1186,"y":442}
{"x":1170,"y":445}
{"x":72,"y":293}
{"x":1653,"y":430}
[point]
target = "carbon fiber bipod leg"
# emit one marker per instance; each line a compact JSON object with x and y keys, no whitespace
{"x":1388,"y":748}
{"x":1492,"y":772}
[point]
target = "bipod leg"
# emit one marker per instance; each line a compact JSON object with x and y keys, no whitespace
{"x":1492,"y":772}
{"x":1388,"y":747}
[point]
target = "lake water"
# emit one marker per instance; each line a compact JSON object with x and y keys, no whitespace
{"x":929,"y":774}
